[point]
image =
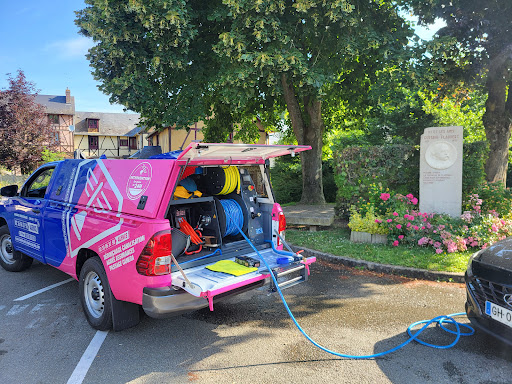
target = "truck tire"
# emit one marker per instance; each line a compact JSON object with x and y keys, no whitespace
{"x":10,"y":260}
{"x":95,"y":294}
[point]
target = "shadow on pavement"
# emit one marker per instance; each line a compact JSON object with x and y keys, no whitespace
{"x":479,"y":359}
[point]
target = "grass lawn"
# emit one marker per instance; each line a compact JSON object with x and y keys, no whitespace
{"x":337,"y":242}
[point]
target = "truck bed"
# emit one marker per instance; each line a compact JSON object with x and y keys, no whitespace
{"x":207,"y":283}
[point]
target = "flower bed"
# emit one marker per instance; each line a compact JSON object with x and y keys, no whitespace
{"x":398,"y":217}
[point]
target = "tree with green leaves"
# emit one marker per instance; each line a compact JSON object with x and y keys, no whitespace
{"x":25,"y":131}
{"x":476,"y":46}
{"x":243,"y":61}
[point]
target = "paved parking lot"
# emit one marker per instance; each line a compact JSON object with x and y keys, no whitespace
{"x":247,"y":339}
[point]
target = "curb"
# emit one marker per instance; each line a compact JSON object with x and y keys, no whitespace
{"x":415,"y":273}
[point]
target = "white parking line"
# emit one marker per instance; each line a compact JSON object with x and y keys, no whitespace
{"x":43,"y":290}
{"x":85,"y":362}
{"x":17,"y":309}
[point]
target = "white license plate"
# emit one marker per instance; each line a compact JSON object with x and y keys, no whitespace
{"x":503,"y":315}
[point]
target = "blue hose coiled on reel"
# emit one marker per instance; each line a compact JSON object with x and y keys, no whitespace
{"x":234,"y":217}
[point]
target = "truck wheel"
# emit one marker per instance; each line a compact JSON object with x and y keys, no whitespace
{"x":11,"y":260}
{"x":95,"y":294}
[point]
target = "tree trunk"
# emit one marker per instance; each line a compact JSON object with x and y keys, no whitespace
{"x":498,"y":118}
{"x":308,"y":132}
{"x":312,"y":185}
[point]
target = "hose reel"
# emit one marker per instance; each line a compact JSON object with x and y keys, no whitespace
{"x":232,"y":177}
{"x":232,"y":215}
{"x":220,"y":180}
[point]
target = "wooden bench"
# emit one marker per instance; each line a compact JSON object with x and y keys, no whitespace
{"x":312,"y":216}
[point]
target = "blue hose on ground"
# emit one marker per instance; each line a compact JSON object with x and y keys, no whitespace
{"x":445,"y":319}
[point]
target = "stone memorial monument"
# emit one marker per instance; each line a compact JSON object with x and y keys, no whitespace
{"x":441,"y":170}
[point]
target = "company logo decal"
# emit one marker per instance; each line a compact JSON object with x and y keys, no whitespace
{"x":139,"y":181}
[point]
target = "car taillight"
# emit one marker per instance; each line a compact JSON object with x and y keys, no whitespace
{"x":282,"y":227}
{"x":155,"y":258}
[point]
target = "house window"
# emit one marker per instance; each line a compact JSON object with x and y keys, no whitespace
{"x":133,"y":143}
{"x":53,"y":119}
{"x":123,"y":142}
{"x":93,"y":142}
{"x":93,"y":125}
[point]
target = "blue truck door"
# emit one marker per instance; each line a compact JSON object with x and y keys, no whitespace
{"x":55,"y":244}
{"x":28,"y":209}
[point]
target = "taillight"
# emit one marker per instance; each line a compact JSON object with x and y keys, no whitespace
{"x":155,"y":258}
{"x":282,"y":227}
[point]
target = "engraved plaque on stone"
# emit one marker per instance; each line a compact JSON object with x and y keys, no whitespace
{"x":441,"y":170}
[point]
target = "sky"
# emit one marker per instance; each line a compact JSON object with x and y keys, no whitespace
{"x":41,"y":38}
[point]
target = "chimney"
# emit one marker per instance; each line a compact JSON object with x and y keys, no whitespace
{"x":68,"y":96}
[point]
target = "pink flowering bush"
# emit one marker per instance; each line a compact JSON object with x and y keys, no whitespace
{"x":476,"y":228}
{"x":385,"y":196}
{"x":490,"y":197}
{"x":383,"y":201}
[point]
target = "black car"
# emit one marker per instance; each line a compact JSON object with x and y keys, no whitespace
{"x":489,"y":290}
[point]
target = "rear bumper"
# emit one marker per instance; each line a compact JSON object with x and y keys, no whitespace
{"x":167,"y":302}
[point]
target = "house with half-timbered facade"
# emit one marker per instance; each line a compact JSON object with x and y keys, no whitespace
{"x":172,"y":138}
{"x":60,"y":111}
{"x":115,"y":135}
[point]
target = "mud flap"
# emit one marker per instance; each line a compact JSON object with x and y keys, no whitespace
{"x":124,"y":314}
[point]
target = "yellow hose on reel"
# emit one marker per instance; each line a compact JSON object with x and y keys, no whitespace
{"x":232,"y":181}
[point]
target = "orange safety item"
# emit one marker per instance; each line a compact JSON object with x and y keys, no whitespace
{"x":182,"y":193}
{"x":195,"y":235}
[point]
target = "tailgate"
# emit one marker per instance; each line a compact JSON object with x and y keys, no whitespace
{"x":214,"y":153}
{"x":208,"y":284}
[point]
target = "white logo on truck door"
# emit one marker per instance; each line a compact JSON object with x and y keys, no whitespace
{"x":97,"y":201}
{"x":86,"y":236}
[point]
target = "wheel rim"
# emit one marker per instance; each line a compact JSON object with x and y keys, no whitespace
{"x":94,"y":294}
{"x":6,"y":251}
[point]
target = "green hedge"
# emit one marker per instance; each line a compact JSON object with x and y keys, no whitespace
{"x":473,"y":173}
{"x":395,"y":167}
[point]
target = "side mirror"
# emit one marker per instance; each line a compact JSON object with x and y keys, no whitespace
{"x":9,"y":191}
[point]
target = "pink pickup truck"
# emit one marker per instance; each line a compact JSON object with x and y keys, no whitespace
{"x":160,"y":233}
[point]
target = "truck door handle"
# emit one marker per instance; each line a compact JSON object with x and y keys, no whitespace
{"x":35,"y":210}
